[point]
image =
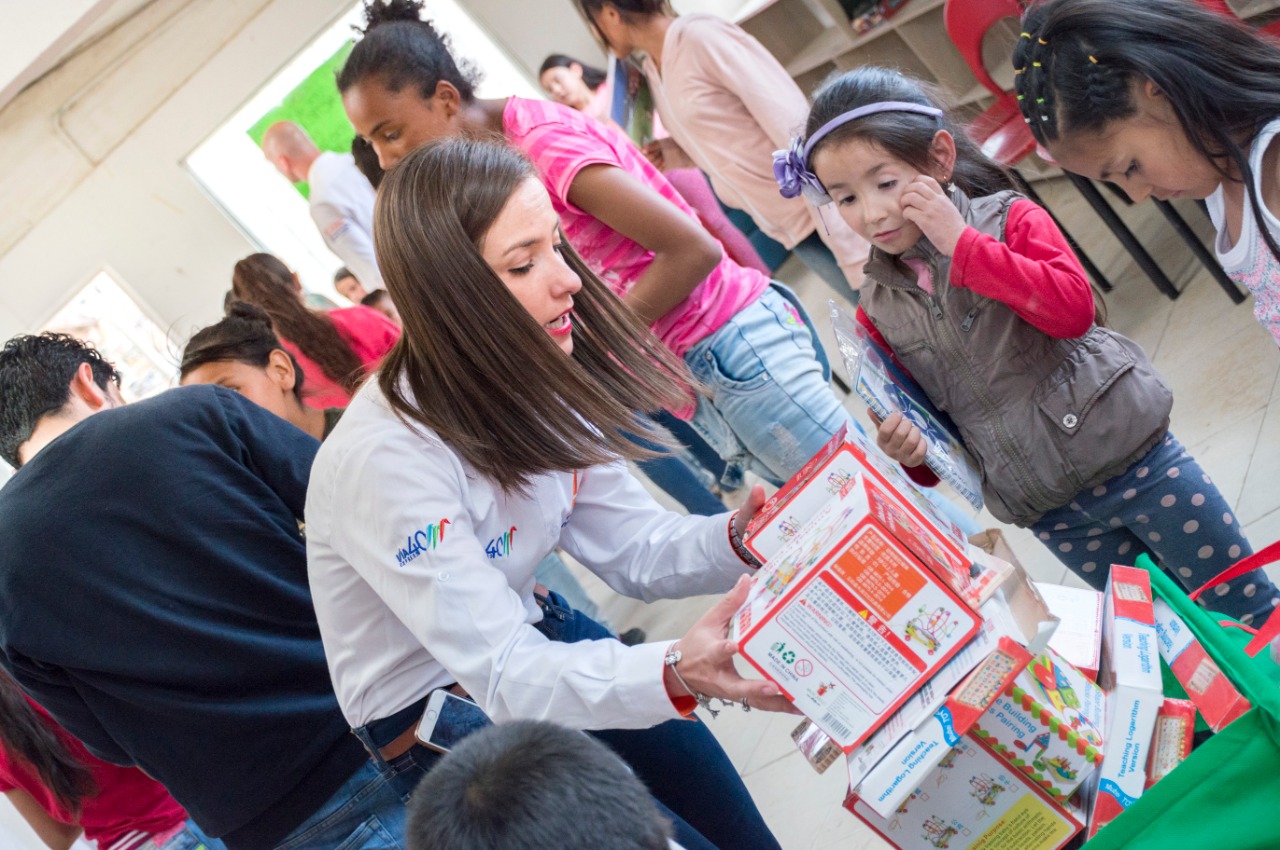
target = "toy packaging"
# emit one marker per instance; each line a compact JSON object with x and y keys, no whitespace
{"x":1171,"y":743}
{"x":818,"y":749}
{"x":895,"y":501}
{"x":972,"y":799}
{"x":1131,"y":677}
{"x":1079,"y":635}
{"x":847,"y":622}
{"x":1214,"y":696}
{"x":1048,"y":725}
{"x":913,"y":758}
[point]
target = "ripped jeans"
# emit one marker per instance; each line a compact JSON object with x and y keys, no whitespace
{"x":770,"y":406}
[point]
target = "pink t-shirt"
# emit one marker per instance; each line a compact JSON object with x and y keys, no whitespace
{"x":129,"y":808}
{"x":561,"y":142}
{"x":370,"y":335}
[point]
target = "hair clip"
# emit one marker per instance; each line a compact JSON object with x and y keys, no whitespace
{"x":1036,"y":65}
{"x":1042,"y":41}
{"x":1044,"y":117}
{"x":1026,"y":35}
{"x":1021,"y":97}
{"x":1028,"y":120}
{"x":1019,"y":70}
{"x":1093,"y":59}
{"x":1040,"y":100}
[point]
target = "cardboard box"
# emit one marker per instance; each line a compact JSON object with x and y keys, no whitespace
{"x":913,"y":758}
{"x":1048,"y":725}
{"x":847,"y":622}
{"x":1079,"y":635}
{"x":1131,"y":677}
{"x":1214,"y":696}
{"x":972,"y":799}
{"x":1172,"y":740}
{"x":895,"y":500}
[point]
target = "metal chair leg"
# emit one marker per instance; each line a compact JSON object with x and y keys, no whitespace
{"x":1092,"y":270}
{"x":1124,"y":234}
{"x":1202,"y":253}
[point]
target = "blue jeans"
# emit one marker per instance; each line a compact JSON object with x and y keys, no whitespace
{"x":770,"y":406}
{"x":191,"y":837}
{"x":680,"y":761}
{"x":366,"y":813}
{"x":1166,"y":507}
{"x":554,"y":573}
{"x":815,"y":254}
{"x":771,"y":251}
{"x":678,"y":480}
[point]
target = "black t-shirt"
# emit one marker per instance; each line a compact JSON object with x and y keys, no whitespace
{"x":154,"y":584}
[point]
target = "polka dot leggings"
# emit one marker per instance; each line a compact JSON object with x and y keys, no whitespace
{"x":1166,"y":506}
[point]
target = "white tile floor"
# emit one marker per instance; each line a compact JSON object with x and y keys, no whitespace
{"x":1225,"y":373}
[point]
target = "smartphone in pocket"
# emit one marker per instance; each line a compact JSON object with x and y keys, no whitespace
{"x":447,"y":719}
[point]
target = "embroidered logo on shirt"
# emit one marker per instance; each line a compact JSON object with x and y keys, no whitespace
{"x":422,"y":540}
{"x":500,"y":546}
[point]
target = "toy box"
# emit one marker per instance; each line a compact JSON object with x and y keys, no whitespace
{"x":1214,"y":696}
{"x":1131,"y":677}
{"x":972,"y":799}
{"x":1048,"y":725}
{"x":1079,"y":635}
{"x":905,"y":766}
{"x":894,"y":500}
{"x":847,"y":622}
{"x":1172,"y":739}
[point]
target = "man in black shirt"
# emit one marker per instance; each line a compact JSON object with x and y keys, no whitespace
{"x":154,"y":583}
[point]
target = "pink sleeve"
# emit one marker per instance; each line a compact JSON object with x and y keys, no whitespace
{"x":1033,"y":270}
{"x":557,"y":151}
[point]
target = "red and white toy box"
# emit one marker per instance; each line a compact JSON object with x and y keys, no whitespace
{"x":1214,"y":696}
{"x":1131,"y":677}
{"x":847,"y":622}
{"x":894,"y":500}
{"x":972,"y":799}
{"x":1171,"y":742}
{"x":1078,"y":638}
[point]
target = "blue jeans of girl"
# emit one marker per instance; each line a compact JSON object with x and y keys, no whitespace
{"x":1167,"y":507}
{"x":770,"y":406}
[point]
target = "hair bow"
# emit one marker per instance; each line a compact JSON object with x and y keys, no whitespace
{"x":794,"y":177}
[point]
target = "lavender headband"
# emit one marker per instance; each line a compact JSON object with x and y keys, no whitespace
{"x":791,"y":167}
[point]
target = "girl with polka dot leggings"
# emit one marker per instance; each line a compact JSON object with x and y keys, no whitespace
{"x":1167,"y":507}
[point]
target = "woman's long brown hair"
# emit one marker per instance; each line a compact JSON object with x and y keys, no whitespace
{"x":265,"y":282}
{"x":28,"y":738}
{"x":472,"y":364}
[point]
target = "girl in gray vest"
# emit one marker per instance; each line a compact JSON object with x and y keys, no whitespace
{"x":976,"y":292}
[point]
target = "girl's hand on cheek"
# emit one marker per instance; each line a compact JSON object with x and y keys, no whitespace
{"x":926,"y":204}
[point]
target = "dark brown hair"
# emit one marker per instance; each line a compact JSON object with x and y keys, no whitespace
{"x":904,"y":135}
{"x":472,"y":364}
{"x":265,"y":282}
{"x":244,"y":336}
{"x":29,"y":738}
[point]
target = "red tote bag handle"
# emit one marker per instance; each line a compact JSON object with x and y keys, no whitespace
{"x":1266,"y":555}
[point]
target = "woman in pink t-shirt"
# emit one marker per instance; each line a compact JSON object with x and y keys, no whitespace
{"x":336,"y":349}
{"x":766,"y":401}
{"x":62,"y":791}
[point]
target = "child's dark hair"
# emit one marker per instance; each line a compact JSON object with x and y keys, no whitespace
{"x":1079,"y":60}
{"x":904,"y":135}
{"x":244,"y":336}
{"x":29,"y":738}
{"x":400,"y":48}
{"x":374,"y":298}
{"x":591,"y":75}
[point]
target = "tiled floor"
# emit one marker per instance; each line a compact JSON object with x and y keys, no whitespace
{"x":1225,"y":373}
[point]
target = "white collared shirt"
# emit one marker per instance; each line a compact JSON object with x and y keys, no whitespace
{"x":422,"y":575}
{"x":341,"y":204}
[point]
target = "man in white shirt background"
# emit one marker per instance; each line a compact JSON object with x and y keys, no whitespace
{"x":341,"y":197}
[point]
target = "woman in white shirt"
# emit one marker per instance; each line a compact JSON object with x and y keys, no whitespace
{"x":495,"y":431}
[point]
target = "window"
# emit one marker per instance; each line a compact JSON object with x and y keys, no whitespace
{"x":272,"y":213}
{"x":104,"y":314}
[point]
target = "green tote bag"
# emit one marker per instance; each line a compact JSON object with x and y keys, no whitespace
{"x":1226,"y":795}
